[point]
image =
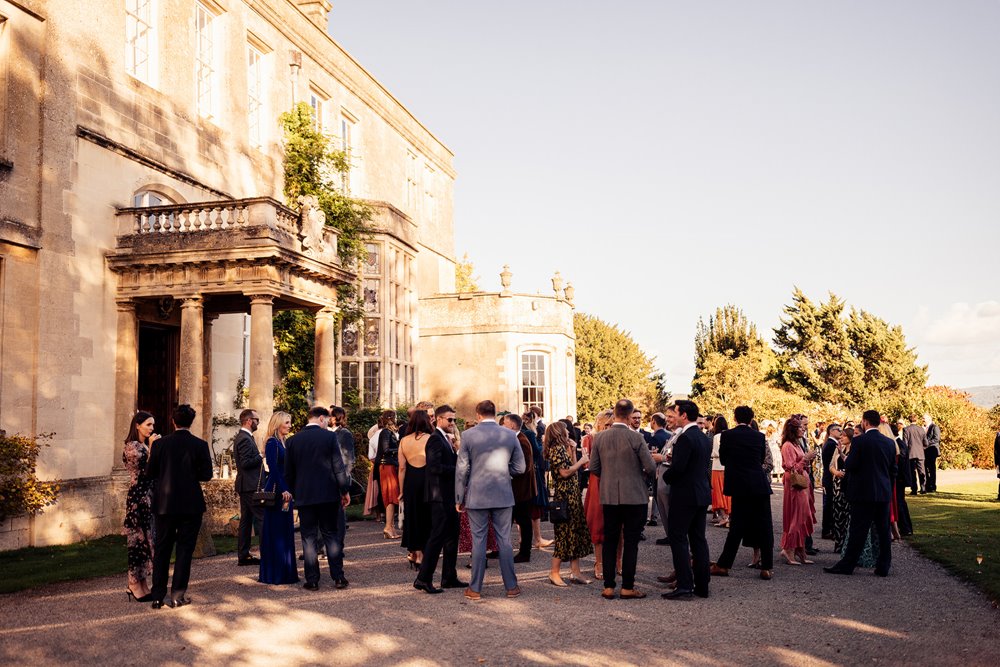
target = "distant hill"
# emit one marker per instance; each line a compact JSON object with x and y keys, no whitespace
{"x":987,"y":396}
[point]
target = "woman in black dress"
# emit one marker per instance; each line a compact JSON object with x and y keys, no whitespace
{"x":412,"y":461}
{"x":138,"y":506}
{"x":841,"y":507}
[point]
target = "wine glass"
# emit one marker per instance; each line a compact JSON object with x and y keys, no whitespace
{"x":979,"y":562}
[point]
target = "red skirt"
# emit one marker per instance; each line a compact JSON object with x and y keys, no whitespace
{"x":720,"y":501}
{"x":594,"y":510}
{"x":388,"y":479}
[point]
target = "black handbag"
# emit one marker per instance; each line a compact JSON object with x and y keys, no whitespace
{"x":559,"y":510}
{"x":264,"y":498}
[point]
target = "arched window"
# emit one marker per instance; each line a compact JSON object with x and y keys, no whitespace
{"x":144,"y":198}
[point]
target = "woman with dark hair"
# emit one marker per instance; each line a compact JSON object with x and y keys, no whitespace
{"x":387,"y":460}
{"x":572,"y":536}
{"x":722,"y":504}
{"x":841,"y":508}
{"x":417,"y":516}
{"x":139,"y":506}
{"x":797,"y":518}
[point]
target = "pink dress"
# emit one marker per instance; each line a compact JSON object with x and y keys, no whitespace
{"x":797,"y":518}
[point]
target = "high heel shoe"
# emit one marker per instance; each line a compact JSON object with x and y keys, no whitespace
{"x":132,"y":598}
{"x":388,"y":535}
{"x":412,"y":560}
{"x":579,"y":580}
{"x":789,"y":559}
{"x":560,"y":584}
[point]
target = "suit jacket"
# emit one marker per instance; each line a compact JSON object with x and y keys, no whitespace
{"x":742,"y":451}
{"x":829,"y":449}
{"x":314,"y":467}
{"x":523,"y":485}
{"x":345,"y":439}
{"x":996,"y":450}
{"x":658,"y":439}
{"x":916,"y":440}
{"x":248,"y":462}
{"x":870,"y":468}
{"x":489,"y":457}
{"x":621,"y":458}
{"x":688,"y":474}
{"x":439,"y":471}
{"x":177,"y":463}
{"x":934,"y":437}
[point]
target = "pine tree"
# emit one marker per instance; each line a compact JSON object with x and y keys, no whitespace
{"x":729,"y":333}
{"x":889,"y":365}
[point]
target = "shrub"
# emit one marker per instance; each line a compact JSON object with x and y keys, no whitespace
{"x":21,"y":492}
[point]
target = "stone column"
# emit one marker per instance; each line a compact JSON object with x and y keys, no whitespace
{"x":206,"y":414}
{"x":126,"y":374}
{"x":192,"y":362}
{"x":325,"y":370}
{"x":262,"y":356}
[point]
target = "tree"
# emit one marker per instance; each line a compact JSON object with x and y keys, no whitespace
{"x":610,"y":365}
{"x":729,"y":333}
{"x":814,"y":352}
{"x":21,"y":492}
{"x":889,"y":365}
{"x":465,"y":281}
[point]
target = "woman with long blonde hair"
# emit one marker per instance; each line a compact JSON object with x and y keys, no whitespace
{"x":277,"y":538}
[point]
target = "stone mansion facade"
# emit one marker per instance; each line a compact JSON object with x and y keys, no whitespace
{"x":145,"y":244}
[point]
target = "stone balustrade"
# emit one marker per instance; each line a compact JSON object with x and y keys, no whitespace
{"x":208,"y":216}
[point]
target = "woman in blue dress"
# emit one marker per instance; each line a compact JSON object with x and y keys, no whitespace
{"x":277,"y":540}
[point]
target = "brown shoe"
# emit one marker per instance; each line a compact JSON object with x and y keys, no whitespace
{"x":669,"y":579}
{"x":717,"y":571}
{"x":472,"y":595}
{"x":513,"y":592}
{"x":631,"y":594}
{"x":765,"y":575}
{"x":608,"y":594}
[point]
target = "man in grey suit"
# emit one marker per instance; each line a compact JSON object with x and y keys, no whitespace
{"x":490,"y":456}
{"x":620,"y":457}
{"x":915,"y":438}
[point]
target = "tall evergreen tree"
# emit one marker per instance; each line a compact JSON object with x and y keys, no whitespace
{"x":728,"y":332}
{"x":889,"y":364}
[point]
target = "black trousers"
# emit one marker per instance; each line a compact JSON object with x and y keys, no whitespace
{"x":751,"y":517}
{"x":443,"y":538}
{"x":522,"y":517}
{"x":930,"y":463}
{"x":319,"y":521}
{"x":686,"y":527}
{"x":619,"y":520}
{"x":863,"y":515}
{"x":180,"y":530}
{"x":251,"y":518}
{"x":827,"y":526}
{"x":917,"y":475}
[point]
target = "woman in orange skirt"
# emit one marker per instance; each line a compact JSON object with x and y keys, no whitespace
{"x":387,"y":460}
{"x":722,"y":504}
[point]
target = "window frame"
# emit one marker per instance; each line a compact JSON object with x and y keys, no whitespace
{"x":142,"y":13}
{"x":256,"y":104}
{"x":544,"y":387}
{"x":207,"y":99}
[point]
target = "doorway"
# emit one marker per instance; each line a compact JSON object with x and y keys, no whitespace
{"x":159,"y":357}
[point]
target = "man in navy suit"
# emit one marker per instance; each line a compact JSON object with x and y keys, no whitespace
{"x":177,"y":463}
{"x":439,"y":493}
{"x":690,"y":495}
{"x":870,"y":468}
{"x":317,"y":476}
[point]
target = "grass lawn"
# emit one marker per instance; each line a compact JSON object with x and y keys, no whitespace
{"x":955,"y":524}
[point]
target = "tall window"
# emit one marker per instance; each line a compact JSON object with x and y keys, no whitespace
{"x":372,"y":386}
{"x":255,"y":95}
{"x":411,"y":183}
{"x":140,"y":39}
{"x":317,"y":101}
{"x":204,"y":61}
{"x":533,"y":387}
{"x":430,"y":205}
{"x":349,"y":376}
{"x":347,"y":145}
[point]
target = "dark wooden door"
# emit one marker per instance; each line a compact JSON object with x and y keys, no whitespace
{"x":159,"y":355}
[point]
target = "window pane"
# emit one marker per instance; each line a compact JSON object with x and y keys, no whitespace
{"x":533,"y":381}
{"x":372,"y":395}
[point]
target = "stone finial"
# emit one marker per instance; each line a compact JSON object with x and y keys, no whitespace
{"x":316,"y":10}
{"x":505,"y":277}
{"x":570,"y":293}
{"x":557,"y":285}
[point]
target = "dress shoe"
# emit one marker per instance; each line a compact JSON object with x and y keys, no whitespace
{"x":836,"y":570}
{"x":701,"y":594}
{"x":454,"y":583}
{"x":310,"y":586}
{"x":717,"y":571}
{"x":754,"y":566}
{"x":608,"y":594}
{"x":663,"y":541}
{"x":651,"y":522}
{"x":522,"y":559}
{"x":633,"y":594}
{"x":180,"y":602}
{"x":642,"y":536}
{"x":678,"y":594}
{"x":472,"y":595}
{"x":514,"y":592}
{"x":158,"y":604}
{"x":250,"y":560}
{"x":426,"y":588}
{"x":765,"y":575}
{"x":669,"y":579}
{"x":341,"y":583}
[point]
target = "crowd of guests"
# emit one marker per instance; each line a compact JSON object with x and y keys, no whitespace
{"x":441,"y":491}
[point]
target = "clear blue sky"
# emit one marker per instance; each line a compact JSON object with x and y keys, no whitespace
{"x":671,"y":157}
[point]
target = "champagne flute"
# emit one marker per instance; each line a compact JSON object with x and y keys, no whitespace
{"x":979,"y":562}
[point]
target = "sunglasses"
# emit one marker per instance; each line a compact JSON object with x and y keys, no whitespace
{"x":450,"y":420}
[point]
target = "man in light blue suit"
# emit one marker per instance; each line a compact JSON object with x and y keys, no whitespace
{"x":489,"y":457}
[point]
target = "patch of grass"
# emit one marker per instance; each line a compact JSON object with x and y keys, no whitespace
{"x":956,"y":523}
{"x":37,"y":566}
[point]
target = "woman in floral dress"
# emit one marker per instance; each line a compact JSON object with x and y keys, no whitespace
{"x":573,"y":536}
{"x":138,"y":506}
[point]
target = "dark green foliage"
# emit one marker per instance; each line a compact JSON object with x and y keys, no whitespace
{"x":295,"y":346}
{"x":889,"y":365}
{"x":729,"y":333}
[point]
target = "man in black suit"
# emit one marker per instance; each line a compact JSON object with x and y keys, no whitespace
{"x":833,"y":432}
{"x":177,"y":463}
{"x":690,"y":495}
{"x":316,"y":474}
{"x":439,"y":492}
{"x":996,"y":461}
{"x":741,"y":452}
{"x":870,"y":468}
{"x":338,"y":419}
{"x":248,"y":477}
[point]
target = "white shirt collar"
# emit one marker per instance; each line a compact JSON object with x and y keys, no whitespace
{"x":442,"y":432}
{"x":688,"y":425}
{"x":247,"y":431}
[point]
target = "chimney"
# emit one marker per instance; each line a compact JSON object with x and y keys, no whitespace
{"x":316,"y":10}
